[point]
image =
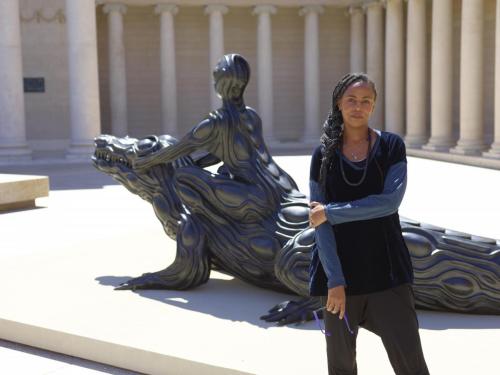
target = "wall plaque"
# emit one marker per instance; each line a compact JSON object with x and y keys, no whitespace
{"x":34,"y":84}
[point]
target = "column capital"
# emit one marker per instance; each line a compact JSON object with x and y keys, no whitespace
{"x":214,"y":8}
{"x":374,"y":4}
{"x":168,"y":8}
{"x":115,"y":7}
{"x":355,"y":10}
{"x":313,"y":8}
{"x":264,"y":9}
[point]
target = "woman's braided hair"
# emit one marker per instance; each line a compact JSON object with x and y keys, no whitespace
{"x":333,"y":126}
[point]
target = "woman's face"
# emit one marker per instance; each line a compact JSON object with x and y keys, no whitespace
{"x":357,"y":104}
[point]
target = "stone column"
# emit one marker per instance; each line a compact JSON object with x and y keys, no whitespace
{"x":471,"y":140}
{"x":394,"y":68}
{"x":416,"y":78}
{"x":215,"y":13}
{"x":83,"y":77}
{"x":441,"y":76}
{"x":12,"y":117}
{"x":168,"y":74}
{"x":311,"y":71}
{"x":117,"y":70}
{"x":494,"y":151}
{"x":265,"y":68}
{"x":375,"y":57}
{"x":358,"y":44}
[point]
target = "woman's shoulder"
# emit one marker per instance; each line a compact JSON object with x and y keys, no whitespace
{"x":390,"y":137}
{"x":318,"y":151}
{"x":394,"y":146}
{"x":316,"y":158}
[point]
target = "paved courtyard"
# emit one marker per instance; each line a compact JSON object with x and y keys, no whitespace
{"x":60,"y":261}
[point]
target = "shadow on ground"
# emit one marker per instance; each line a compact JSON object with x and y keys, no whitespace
{"x":225,"y":299}
{"x":441,"y":320}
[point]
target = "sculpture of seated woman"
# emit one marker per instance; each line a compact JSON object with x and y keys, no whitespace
{"x":250,"y":220}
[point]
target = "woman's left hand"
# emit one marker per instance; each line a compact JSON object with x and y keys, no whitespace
{"x":316,"y":214}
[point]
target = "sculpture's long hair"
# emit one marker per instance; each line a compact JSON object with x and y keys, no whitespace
{"x":231,"y":76}
{"x":333,"y":126}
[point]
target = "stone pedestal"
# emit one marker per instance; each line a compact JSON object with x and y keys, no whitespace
{"x":20,"y":191}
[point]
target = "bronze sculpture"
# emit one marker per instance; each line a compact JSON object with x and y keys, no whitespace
{"x":250,"y":220}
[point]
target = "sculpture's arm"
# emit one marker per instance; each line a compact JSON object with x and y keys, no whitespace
{"x":198,"y":138}
{"x":206,"y":160}
{"x":372,"y":206}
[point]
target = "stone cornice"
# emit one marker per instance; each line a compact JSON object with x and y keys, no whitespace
{"x":264,"y":9}
{"x":236,"y":3}
{"x":374,"y":3}
{"x":115,"y":7}
{"x":355,"y":9}
{"x":41,"y":15}
{"x":164,"y":7}
{"x":311,"y":8}
{"x":216,"y":8}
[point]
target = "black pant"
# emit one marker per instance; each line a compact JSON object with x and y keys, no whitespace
{"x":389,"y":314}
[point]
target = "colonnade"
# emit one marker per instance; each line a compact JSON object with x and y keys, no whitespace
{"x":377,"y":46}
{"x":216,"y":12}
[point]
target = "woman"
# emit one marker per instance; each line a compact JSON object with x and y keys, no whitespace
{"x":362,"y":267}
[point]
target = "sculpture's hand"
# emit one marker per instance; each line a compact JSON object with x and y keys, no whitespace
{"x":156,"y":157}
{"x":293,"y":311}
{"x":316,"y":214}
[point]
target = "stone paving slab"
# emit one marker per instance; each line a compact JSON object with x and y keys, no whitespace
{"x":59,"y":263}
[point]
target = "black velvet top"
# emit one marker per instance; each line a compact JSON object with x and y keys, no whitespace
{"x":372,"y":252}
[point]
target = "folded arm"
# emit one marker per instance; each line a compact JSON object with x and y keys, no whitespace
{"x":326,"y":244}
{"x":372,"y":206}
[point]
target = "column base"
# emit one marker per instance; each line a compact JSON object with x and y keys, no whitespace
{"x":311,"y":138}
{"x":468,"y":148}
{"x":80,"y":152}
{"x":15,"y":153}
{"x":270,"y":139}
{"x":415,"y":141}
{"x":277,"y":147}
{"x":438,"y":145}
{"x":493,"y":152}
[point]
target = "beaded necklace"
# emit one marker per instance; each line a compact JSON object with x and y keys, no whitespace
{"x":365,"y":168}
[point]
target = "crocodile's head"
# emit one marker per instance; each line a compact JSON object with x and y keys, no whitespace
{"x":114,"y":156}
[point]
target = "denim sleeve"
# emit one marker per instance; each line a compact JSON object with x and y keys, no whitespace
{"x":326,"y":244}
{"x":372,"y":206}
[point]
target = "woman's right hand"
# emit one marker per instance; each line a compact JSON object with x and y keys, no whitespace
{"x":336,"y":301}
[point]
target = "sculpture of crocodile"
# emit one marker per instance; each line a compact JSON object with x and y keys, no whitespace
{"x":250,"y":220}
